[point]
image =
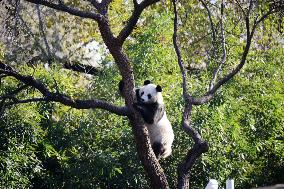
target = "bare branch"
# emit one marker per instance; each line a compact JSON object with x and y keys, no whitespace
{"x":186,"y":124}
{"x":250,"y":7}
{"x":180,"y":62}
{"x":193,"y":154}
{"x":87,"y":69}
{"x":271,"y":11}
{"x":64,"y":99}
{"x":211,"y":22}
{"x":138,"y":9}
{"x":240,"y":6}
{"x":200,"y":146}
{"x":223,"y":42}
{"x":209,"y":95}
{"x":70,"y":10}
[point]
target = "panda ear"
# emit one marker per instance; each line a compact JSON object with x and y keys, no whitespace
{"x":146,"y":82}
{"x":159,"y":88}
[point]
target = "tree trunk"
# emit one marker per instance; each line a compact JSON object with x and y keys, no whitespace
{"x":145,"y":152}
{"x":185,"y":167}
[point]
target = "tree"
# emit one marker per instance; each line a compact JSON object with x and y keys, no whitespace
{"x":252,"y":14}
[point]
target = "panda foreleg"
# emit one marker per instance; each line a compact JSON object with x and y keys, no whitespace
{"x":145,"y":112}
{"x":158,"y":149}
{"x":158,"y":113}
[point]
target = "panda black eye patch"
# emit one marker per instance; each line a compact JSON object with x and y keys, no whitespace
{"x":142,"y":93}
{"x":149,"y":96}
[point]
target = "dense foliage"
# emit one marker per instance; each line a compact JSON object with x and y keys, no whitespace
{"x":49,"y":145}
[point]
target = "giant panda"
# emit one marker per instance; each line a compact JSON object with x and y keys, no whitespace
{"x":151,"y":106}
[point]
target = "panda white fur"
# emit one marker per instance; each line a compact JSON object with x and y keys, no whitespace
{"x":150,"y":104}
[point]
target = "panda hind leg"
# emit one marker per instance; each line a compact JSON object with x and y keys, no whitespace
{"x":158,"y":149}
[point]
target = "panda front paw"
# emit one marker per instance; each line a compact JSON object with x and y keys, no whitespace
{"x":137,"y":107}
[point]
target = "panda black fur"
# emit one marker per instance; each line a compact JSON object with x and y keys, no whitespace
{"x":150,"y":104}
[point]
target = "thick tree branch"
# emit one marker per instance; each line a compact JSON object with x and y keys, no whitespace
{"x":132,"y":21}
{"x":186,"y":124}
{"x":240,"y":6}
{"x":180,"y":62}
{"x":200,"y":146}
{"x":82,"y":68}
{"x":101,"y":7}
{"x":96,"y":4}
{"x":193,"y":154}
{"x":62,"y":7}
{"x":64,"y":99}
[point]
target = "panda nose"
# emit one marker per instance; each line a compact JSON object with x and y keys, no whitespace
{"x":142,"y":99}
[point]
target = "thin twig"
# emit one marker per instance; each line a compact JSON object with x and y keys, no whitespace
{"x":211,"y":22}
{"x":240,"y":6}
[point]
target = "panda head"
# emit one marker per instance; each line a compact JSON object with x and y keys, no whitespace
{"x":150,"y":93}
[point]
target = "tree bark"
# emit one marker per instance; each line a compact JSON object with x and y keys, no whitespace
{"x":185,"y":167}
{"x":154,"y":170}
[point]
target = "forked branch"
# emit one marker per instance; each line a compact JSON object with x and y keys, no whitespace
{"x":249,"y":36}
{"x":200,"y":146}
{"x":132,"y":21}
{"x":223,"y":44}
